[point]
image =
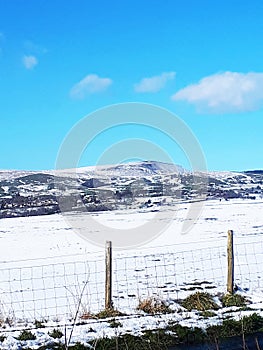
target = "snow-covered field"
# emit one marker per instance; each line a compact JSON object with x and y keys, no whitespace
{"x":45,"y":266}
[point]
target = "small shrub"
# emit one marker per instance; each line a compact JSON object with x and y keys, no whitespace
{"x":56,"y":334}
{"x":234,"y":300}
{"x":153,"y":306}
{"x":26,"y":335}
{"x":200,"y":301}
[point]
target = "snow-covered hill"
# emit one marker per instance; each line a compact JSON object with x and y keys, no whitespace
{"x":111,"y":187}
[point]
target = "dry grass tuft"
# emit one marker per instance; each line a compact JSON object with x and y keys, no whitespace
{"x":153,"y":306}
{"x":200,"y":301}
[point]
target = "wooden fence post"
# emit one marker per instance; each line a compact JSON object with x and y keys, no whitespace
{"x":108,"y":276}
{"x":230,"y":262}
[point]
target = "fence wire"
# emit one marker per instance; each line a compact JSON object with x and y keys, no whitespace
{"x":249,"y":266}
{"x":53,"y":290}
{"x":50,"y":291}
{"x":170,"y":276}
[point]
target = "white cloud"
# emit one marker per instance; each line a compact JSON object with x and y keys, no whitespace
{"x":29,"y":61}
{"x":92,"y":83}
{"x":154,"y":84}
{"x":225,"y":92}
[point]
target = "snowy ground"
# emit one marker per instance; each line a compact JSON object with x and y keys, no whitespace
{"x":45,"y":266}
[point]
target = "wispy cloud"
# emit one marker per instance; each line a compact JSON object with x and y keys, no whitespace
{"x":31,"y":52}
{"x":34,"y":48}
{"x":29,"y":61}
{"x":225,"y":92}
{"x":154,"y":84}
{"x":92,"y":83}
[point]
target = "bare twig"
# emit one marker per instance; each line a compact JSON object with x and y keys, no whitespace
{"x":76,"y":315}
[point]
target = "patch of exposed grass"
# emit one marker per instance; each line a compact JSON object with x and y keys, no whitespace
{"x":153,"y":306}
{"x":174,"y":334}
{"x":234,"y":300}
{"x":115,"y":324}
{"x":252,"y":323}
{"x":26,"y":335}
{"x":109,"y":313}
{"x":200,"y":301}
{"x":100,"y":315}
{"x":78,"y":346}
{"x":39,"y":324}
{"x":187,"y":335}
{"x":230,"y":327}
{"x":56,"y":334}
{"x":207,"y":314}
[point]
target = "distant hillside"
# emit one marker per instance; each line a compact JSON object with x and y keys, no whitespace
{"x":138,"y":185}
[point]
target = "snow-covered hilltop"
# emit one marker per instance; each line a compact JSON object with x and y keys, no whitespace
{"x":110,"y":187}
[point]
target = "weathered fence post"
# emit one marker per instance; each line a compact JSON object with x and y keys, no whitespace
{"x":108,"y":276}
{"x":230,"y":262}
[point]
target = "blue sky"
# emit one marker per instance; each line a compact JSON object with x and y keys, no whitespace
{"x":62,"y":60}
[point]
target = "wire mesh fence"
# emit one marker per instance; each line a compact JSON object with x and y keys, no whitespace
{"x":169,"y":275}
{"x":54,"y":289}
{"x":50,"y":290}
{"x":249,"y":266}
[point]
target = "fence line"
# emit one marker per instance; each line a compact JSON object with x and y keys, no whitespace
{"x":249,"y":266}
{"x":167,"y":275}
{"x":51,"y":290}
